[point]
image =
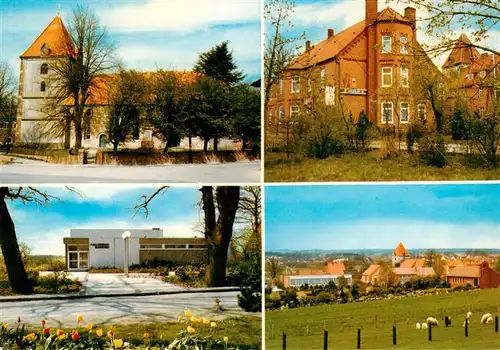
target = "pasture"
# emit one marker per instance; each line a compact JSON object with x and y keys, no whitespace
{"x":304,"y":326}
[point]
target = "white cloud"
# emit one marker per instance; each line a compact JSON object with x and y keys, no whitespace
{"x":179,"y":15}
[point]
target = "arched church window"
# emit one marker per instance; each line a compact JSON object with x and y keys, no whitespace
{"x":44,"y":68}
{"x":42,"y":86}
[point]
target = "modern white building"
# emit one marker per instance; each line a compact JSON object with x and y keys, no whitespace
{"x":314,"y":280}
{"x":92,"y":248}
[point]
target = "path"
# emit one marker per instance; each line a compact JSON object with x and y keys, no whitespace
{"x":36,"y":172}
{"x":128,"y":309}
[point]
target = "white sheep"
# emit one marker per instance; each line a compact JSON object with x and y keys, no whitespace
{"x":469,"y":315}
{"x":432,"y":321}
{"x":424,"y":325}
{"x":485,"y":318}
{"x":418,"y":326}
{"x":489,"y":320}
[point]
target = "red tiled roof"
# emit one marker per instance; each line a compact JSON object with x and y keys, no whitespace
{"x":388,"y":14}
{"x":371,"y":270}
{"x":465,"y":271}
{"x":335,"y":268}
{"x":400,"y":250}
{"x":412,"y":263}
{"x":462,"y":53}
{"x":55,"y":37}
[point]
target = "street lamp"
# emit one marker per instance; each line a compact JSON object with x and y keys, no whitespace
{"x":126,"y":236}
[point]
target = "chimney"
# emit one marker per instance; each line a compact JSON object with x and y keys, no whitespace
{"x":371,"y":11}
{"x":308,"y":45}
{"x":411,"y":15}
{"x":330,"y":33}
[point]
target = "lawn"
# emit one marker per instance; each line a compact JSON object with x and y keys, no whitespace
{"x":368,"y":167}
{"x":304,"y":326}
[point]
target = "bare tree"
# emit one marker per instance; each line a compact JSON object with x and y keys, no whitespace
{"x":76,"y":77}
{"x":16,"y":272}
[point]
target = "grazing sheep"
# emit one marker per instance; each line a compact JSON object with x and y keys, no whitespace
{"x":432,"y":321}
{"x":485,"y":318}
{"x":418,"y":326}
{"x":447,"y":321}
{"x":469,"y":315}
{"x":424,"y":325}
{"x":489,"y":320}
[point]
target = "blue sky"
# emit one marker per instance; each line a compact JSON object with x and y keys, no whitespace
{"x":379,"y":216}
{"x":315,"y":17}
{"x":105,"y":206}
{"x":167,"y":34}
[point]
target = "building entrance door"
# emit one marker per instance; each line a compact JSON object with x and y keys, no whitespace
{"x":78,"y":259}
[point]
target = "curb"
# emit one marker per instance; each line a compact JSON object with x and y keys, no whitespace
{"x":113,"y":295}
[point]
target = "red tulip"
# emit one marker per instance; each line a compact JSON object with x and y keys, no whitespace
{"x":46,"y":331}
{"x":43,"y":323}
{"x":75,"y":336}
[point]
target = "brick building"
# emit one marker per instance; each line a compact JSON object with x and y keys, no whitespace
{"x":476,"y":274}
{"x":367,"y":67}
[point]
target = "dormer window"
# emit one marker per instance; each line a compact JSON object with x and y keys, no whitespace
{"x":44,"y":68}
{"x":43,"y":86}
{"x":386,"y":44}
{"x":45,"y":50}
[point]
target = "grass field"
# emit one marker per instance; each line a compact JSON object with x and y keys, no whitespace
{"x":304,"y":326}
{"x":368,"y":167}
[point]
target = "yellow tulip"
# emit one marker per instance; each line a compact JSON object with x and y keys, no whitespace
{"x":89,"y":326}
{"x":193,"y":319}
{"x":5,"y":325}
{"x":79,"y":318}
{"x":179,"y":318}
{"x":226,"y":339}
{"x":188,"y":313}
{"x":118,"y":343}
{"x":213,"y":325}
{"x":99,"y":332}
{"x":30,"y":337}
{"x":191,"y":330}
{"x":145,"y":335}
{"x":61,"y":337}
{"x":206,"y":321}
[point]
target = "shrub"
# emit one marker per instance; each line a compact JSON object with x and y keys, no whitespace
{"x":324,"y":147}
{"x":323,"y":297}
{"x":458,"y":126}
{"x":248,"y":276}
{"x":432,"y":151}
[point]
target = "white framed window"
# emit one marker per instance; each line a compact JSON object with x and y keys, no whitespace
{"x":281,"y":86}
{"x":481,"y":92}
{"x":386,"y":76}
{"x":404,"y":76}
{"x":44,"y":69}
{"x":323,"y":78}
{"x":403,"y":49}
{"x":470,"y":76}
{"x":387,"y":112}
{"x":43,"y":86}
{"x":295,"y":84}
{"x":386,"y":44}
{"x":404,"y":112}
{"x":281,"y":113}
{"x":482,"y":74}
{"x":294,"y":112}
{"x":421,"y":112}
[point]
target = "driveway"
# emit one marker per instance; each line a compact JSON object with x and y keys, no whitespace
{"x":25,"y":172}
{"x":111,"y":283}
{"x":123,"y":310}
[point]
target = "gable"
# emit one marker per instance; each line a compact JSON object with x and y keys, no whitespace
{"x":53,"y":41}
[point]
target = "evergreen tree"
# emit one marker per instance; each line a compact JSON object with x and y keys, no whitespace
{"x":218,"y":63}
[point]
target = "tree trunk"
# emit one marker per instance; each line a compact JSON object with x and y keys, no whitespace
{"x":219,"y":231}
{"x":216,"y":143}
{"x":67,"y":133}
{"x":18,"y":277}
{"x":205,"y":144}
{"x":115,"y":148}
{"x":190,"y":152}
{"x":78,"y":135}
{"x":243,"y":144}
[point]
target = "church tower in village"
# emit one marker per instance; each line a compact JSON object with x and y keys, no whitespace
{"x":399,"y":254}
{"x":34,"y":85}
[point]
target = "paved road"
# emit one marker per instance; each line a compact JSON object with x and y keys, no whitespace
{"x":130,"y":309}
{"x":35,"y":172}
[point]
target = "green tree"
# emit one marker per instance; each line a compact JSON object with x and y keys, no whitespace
{"x":8,"y":105}
{"x":274,"y":268}
{"x":218,"y":63}
{"x":126,"y":98}
{"x":246,"y":114}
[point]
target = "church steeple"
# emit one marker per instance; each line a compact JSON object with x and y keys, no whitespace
{"x":53,"y":41}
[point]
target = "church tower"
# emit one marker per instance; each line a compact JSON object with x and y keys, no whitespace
{"x":34,"y":84}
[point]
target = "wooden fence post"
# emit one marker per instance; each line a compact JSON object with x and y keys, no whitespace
{"x":284,"y":341}
{"x":393,"y":335}
{"x":496,"y":323}
{"x":466,"y":327}
{"x":325,"y":340}
{"x":359,"y":339}
{"x":430,"y":331}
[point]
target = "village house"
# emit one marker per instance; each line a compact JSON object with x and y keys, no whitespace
{"x":331,"y":272}
{"x":476,"y":274}
{"x":405,"y":274}
{"x":372,"y":274}
{"x":94,"y":248}
{"x":367,"y":67}
{"x":473,"y":74}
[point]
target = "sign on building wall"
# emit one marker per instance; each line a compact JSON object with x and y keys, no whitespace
{"x":100,"y":245}
{"x":354,"y":92}
{"x":330,"y":95}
